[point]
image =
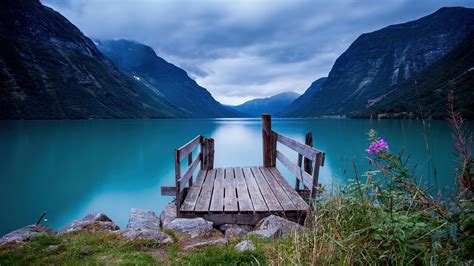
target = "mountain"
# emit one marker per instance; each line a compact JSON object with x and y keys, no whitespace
{"x":377,"y":63}
{"x":142,"y":63}
{"x":307,"y":95}
{"x":271,"y":105}
{"x":425,"y":94}
{"x":50,"y":70}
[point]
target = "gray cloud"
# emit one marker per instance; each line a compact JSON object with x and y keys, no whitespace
{"x":240,"y":50}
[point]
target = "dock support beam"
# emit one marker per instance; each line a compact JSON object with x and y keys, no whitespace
{"x":267,"y":141}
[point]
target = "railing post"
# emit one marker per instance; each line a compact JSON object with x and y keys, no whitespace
{"x":307,"y":163}
{"x":190,"y":161}
{"x":207,"y":151}
{"x":266,"y":139}
{"x":177,"y":170}
{"x":317,"y":164}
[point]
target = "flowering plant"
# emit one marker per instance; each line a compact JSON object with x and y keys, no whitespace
{"x":377,"y":145}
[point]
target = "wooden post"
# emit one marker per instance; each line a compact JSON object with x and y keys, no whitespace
{"x":190,"y":161}
{"x":211,"y":154}
{"x":207,"y":150}
{"x":266,"y":140}
{"x":177,"y":170}
{"x":307,"y":162}
{"x":317,"y":163}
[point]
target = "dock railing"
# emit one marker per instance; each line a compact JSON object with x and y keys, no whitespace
{"x":307,"y":174}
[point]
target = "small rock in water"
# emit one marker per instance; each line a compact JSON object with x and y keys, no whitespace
{"x":193,"y":227}
{"x":168,"y":214}
{"x":23,"y":234}
{"x":245,"y":245}
{"x":92,"y":222}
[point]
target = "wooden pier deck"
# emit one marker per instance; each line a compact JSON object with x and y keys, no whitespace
{"x":244,"y":195}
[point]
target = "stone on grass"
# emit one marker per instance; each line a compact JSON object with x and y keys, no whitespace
{"x":286,"y":227}
{"x":193,"y":227}
{"x":245,"y":245}
{"x":168,"y":214}
{"x":91,"y":222}
{"x":233,"y":231}
{"x":271,"y":233}
{"x":23,"y":234}
{"x":145,"y":233}
{"x":144,"y":224}
{"x":205,"y":243}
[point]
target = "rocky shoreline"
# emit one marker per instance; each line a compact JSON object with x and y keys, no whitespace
{"x":191,"y":233}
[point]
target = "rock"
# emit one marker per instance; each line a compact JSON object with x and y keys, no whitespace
{"x":168,"y":214}
{"x":245,"y":245}
{"x":23,"y":234}
{"x":142,"y":219}
{"x":145,"y":233}
{"x":271,"y":233}
{"x":218,"y":241}
{"x":233,"y":231}
{"x":92,"y":222}
{"x":286,"y":227}
{"x":193,"y":227}
{"x":52,"y":248}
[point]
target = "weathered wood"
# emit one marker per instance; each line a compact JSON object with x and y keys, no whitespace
{"x":211,"y":153}
{"x":168,"y":191}
{"x":273,"y":147}
{"x":278,"y":191}
{"x":177,"y":169}
{"x":292,"y":194}
{"x":230,"y":192}
{"x":304,"y":177}
{"x":204,"y":200}
{"x":193,"y":193}
{"x":299,"y":164}
{"x":267,"y":193}
{"x":307,"y":162}
{"x":266,"y":140}
{"x":303,"y":149}
{"x":189,"y":147}
{"x":190,"y":161}
{"x":315,"y":184}
{"x":256,"y":196}
{"x":183,"y":181}
{"x":243,"y":196}
{"x":217,"y":201}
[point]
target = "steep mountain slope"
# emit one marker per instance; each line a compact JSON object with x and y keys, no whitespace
{"x":271,"y":105}
{"x":50,"y":70}
{"x":141,"y":62}
{"x":306,"y":97}
{"x":425,"y":94}
{"x":376,"y":63}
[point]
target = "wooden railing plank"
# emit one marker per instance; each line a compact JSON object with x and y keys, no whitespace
{"x":183,"y":181}
{"x":304,"y":177}
{"x":303,"y":149}
{"x":187,"y":148}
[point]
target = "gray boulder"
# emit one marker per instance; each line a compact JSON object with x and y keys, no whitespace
{"x":193,"y":227}
{"x":23,"y":234}
{"x":245,"y":245}
{"x":168,"y":214}
{"x":271,"y":233}
{"x":218,"y":241}
{"x":141,"y":219}
{"x":92,"y":222}
{"x":285,"y":226}
{"x":233,"y":231}
{"x":152,"y":234}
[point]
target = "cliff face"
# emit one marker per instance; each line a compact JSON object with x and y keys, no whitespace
{"x":50,"y":70}
{"x":142,"y":63}
{"x":376,"y":63}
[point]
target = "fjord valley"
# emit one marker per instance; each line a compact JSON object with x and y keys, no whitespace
{"x":225,"y":133}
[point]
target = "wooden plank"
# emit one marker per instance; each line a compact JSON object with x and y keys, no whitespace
{"x":292,"y":194}
{"x":168,"y":191}
{"x":187,"y":148}
{"x":267,"y":193}
{"x":256,"y":197}
{"x":303,"y":149}
{"x":193,"y":193}
{"x":305,"y":178}
{"x":243,"y":196}
{"x":204,"y":199}
{"x":230,"y":193}
{"x":217,"y":201}
{"x":189,"y":173}
{"x":278,"y":191}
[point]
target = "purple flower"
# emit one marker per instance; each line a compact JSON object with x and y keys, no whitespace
{"x":377,"y":146}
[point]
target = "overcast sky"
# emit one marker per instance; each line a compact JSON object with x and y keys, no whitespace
{"x":240,"y":50}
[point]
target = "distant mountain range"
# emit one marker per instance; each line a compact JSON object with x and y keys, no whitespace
{"x":271,"y":105}
{"x":377,"y":64}
{"x":50,"y":70}
{"x":173,"y":83}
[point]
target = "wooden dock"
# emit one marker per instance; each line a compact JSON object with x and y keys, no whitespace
{"x":244,"y":195}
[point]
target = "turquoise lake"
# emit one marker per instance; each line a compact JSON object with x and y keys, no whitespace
{"x":70,"y":168}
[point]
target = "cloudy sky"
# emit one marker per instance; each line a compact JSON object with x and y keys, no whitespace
{"x":241,"y":50}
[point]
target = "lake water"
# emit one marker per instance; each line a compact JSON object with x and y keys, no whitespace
{"x":70,"y":168}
